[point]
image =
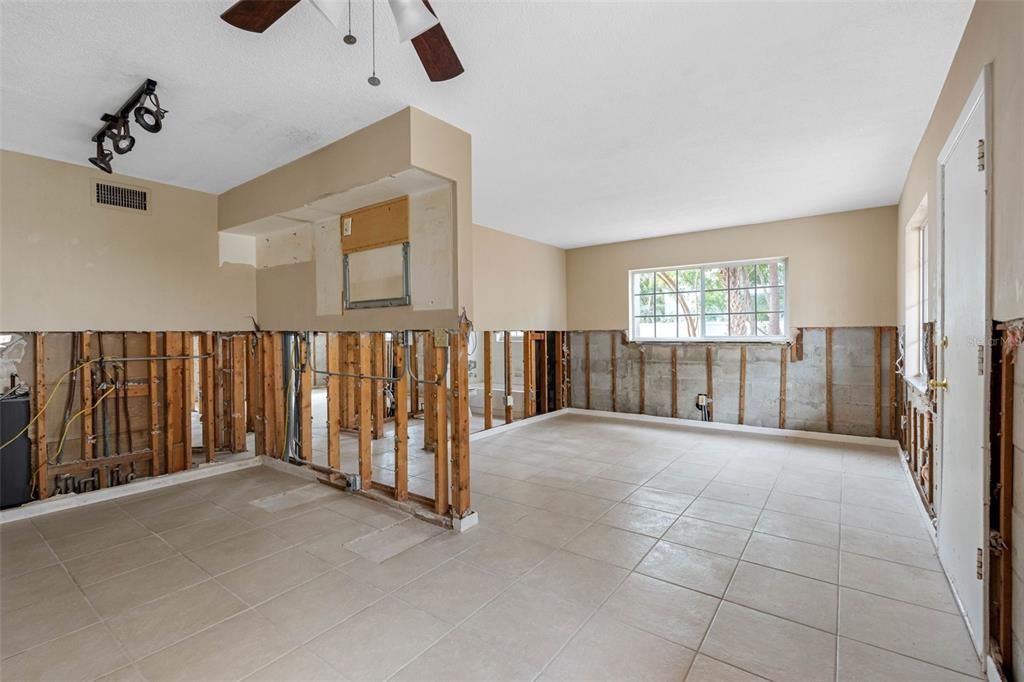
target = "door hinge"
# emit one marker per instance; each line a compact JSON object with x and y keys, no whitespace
{"x":996,"y":543}
{"x":981,"y":564}
{"x":981,"y":155}
{"x":981,"y":359}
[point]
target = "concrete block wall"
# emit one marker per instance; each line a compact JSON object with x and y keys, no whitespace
{"x":853,"y":379}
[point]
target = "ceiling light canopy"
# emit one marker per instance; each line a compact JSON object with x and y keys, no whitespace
{"x":412,"y":17}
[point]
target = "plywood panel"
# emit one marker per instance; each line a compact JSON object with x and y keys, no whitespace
{"x":375,"y":226}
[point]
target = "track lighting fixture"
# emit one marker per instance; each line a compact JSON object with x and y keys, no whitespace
{"x":145,"y":105}
{"x":102,"y":158}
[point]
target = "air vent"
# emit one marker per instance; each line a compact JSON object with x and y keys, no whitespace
{"x":120,"y":196}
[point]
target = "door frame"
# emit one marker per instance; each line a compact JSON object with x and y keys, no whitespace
{"x":981,"y":93}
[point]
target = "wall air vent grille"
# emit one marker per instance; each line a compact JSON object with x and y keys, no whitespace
{"x":120,"y":196}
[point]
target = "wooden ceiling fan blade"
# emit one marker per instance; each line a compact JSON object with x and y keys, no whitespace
{"x":256,"y":15}
{"x":436,"y":52}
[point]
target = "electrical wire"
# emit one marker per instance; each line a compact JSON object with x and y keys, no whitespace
{"x":53,"y":392}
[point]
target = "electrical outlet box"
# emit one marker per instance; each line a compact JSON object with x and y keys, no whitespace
{"x":510,"y":401}
{"x":440,"y":338}
{"x":346,"y":227}
{"x":702,"y":399}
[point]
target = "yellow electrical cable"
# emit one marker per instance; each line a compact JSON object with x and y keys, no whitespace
{"x":76,"y":416}
{"x":53,"y":392}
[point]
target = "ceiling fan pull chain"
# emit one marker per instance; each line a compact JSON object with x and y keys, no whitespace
{"x":349,"y":38}
{"x":373,"y":80}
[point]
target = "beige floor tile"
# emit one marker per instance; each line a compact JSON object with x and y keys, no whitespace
{"x":462,"y":656}
{"x":386,"y":543}
{"x":398,"y":570}
{"x":378,"y":641}
{"x":864,"y":663}
{"x":579,"y":505}
{"x":150,"y":627}
{"x":903,"y":550}
{"x":662,"y":500}
{"x":611,"y":545}
{"x":707,"y":669}
{"x":605,"y":488}
{"x":264,"y":578}
{"x":729,"y":513}
{"x":737,"y":494}
{"x":800,"y":528}
{"x":129,"y":673}
{"x":30,"y":588}
{"x":45,"y":620}
{"x":812,"y":508}
{"x":313,"y":524}
{"x":637,"y":475}
{"x":318,"y":605}
{"x":898,"y":581}
{"x":787,"y":595}
{"x":128,"y":590}
{"x":157,"y":501}
{"x":82,"y":655}
{"x":203,"y":533}
{"x":822,"y":485}
{"x":638,"y":519}
{"x":506,"y":554}
{"x":98,"y":566}
{"x":529,"y":622}
{"x":331,"y":548}
{"x":453,"y":590}
{"x":575,"y":578}
{"x":495,"y":511}
{"x":78,"y":520}
{"x":547,"y":527}
{"x":813,"y":561}
{"x":691,"y":469}
{"x":908,"y":525}
{"x":239,"y":550}
{"x":366,"y":511}
{"x":177,"y":517}
{"x":898,"y":626}
{"x":675,"y":613}
{"x":104,"y":537}
{"x":689,"y":567}
{"x":25,"y":557}
{"x":769,"y":646}
{"x":711,"y":537}
{"x":228,"y":651}
{"x":606,"y":649}
{"x":674,"y":483}
{"x":298,"y":664}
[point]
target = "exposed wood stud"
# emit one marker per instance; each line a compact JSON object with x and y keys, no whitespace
{"x":878,"y":382}
{"x":743,"y":384}
{"x":429,"y":392}
{"x":488,"y":409}
{"x":893,"y":380}
{"x":709,"y":370}
{"x":586,"y":366}
{"x":559,"y":357}
{"x":174,"y":407}
{"x":365,"y":411}
{"x":42,"y":456}
{"x":251,"y":384}
{"x":614,"y":344}
{"x":783,"y":358}
{"x":643,"y":379}
{"x":460,"y":422}
{"x":207,"y":390}
{"x":154,"y":402}
{"x":829,"y":419}
{"x":188,"y":386}
{"x":507,"y":352}
{"x":305,"y":400}
{"x":401,"y":437}
{"x":675,"y":381}
{"x":528,"y":376}
{"x":377,"y":365}
{"x":279,"y":387}
{"x":268,"y":400}
{"x":86,"y":394}
{"x":567,"y":370}
{"x":440,"y":416}
{"x":542,"y":386}
{"x":237,"y":391}
{"x":414,"y":387}
{"x":334,"y":401}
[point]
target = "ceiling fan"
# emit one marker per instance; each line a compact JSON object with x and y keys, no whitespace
{"x":416,"y":21}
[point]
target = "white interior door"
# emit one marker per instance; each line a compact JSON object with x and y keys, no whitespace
{"x":962,"y":518}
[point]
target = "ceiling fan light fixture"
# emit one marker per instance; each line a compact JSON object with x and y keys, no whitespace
{"x":412,"y":17}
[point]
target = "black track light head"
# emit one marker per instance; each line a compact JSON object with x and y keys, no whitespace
{"x":102,"y":159}
{"x":151,"y":120}
{"x":120,"y":137}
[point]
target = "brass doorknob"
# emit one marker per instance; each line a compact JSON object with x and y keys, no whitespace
{"x":935,"y":383}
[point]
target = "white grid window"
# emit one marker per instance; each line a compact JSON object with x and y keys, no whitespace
{"x":715,"y":301}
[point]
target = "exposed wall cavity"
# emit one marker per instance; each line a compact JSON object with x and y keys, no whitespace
{"x":772,"y":385}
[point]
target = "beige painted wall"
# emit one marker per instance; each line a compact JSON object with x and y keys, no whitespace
{"x":68,"y":264}
{"x":841,"y":268}
{"x":518,"y":283}
{"x":994,"y":33}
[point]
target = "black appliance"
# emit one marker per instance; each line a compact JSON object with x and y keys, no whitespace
{"x":16,"y":458}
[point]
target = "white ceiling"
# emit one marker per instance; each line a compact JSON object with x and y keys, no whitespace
{"x":591,"y":122}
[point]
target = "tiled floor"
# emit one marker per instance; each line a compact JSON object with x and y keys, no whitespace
{"x":607,"y":551}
